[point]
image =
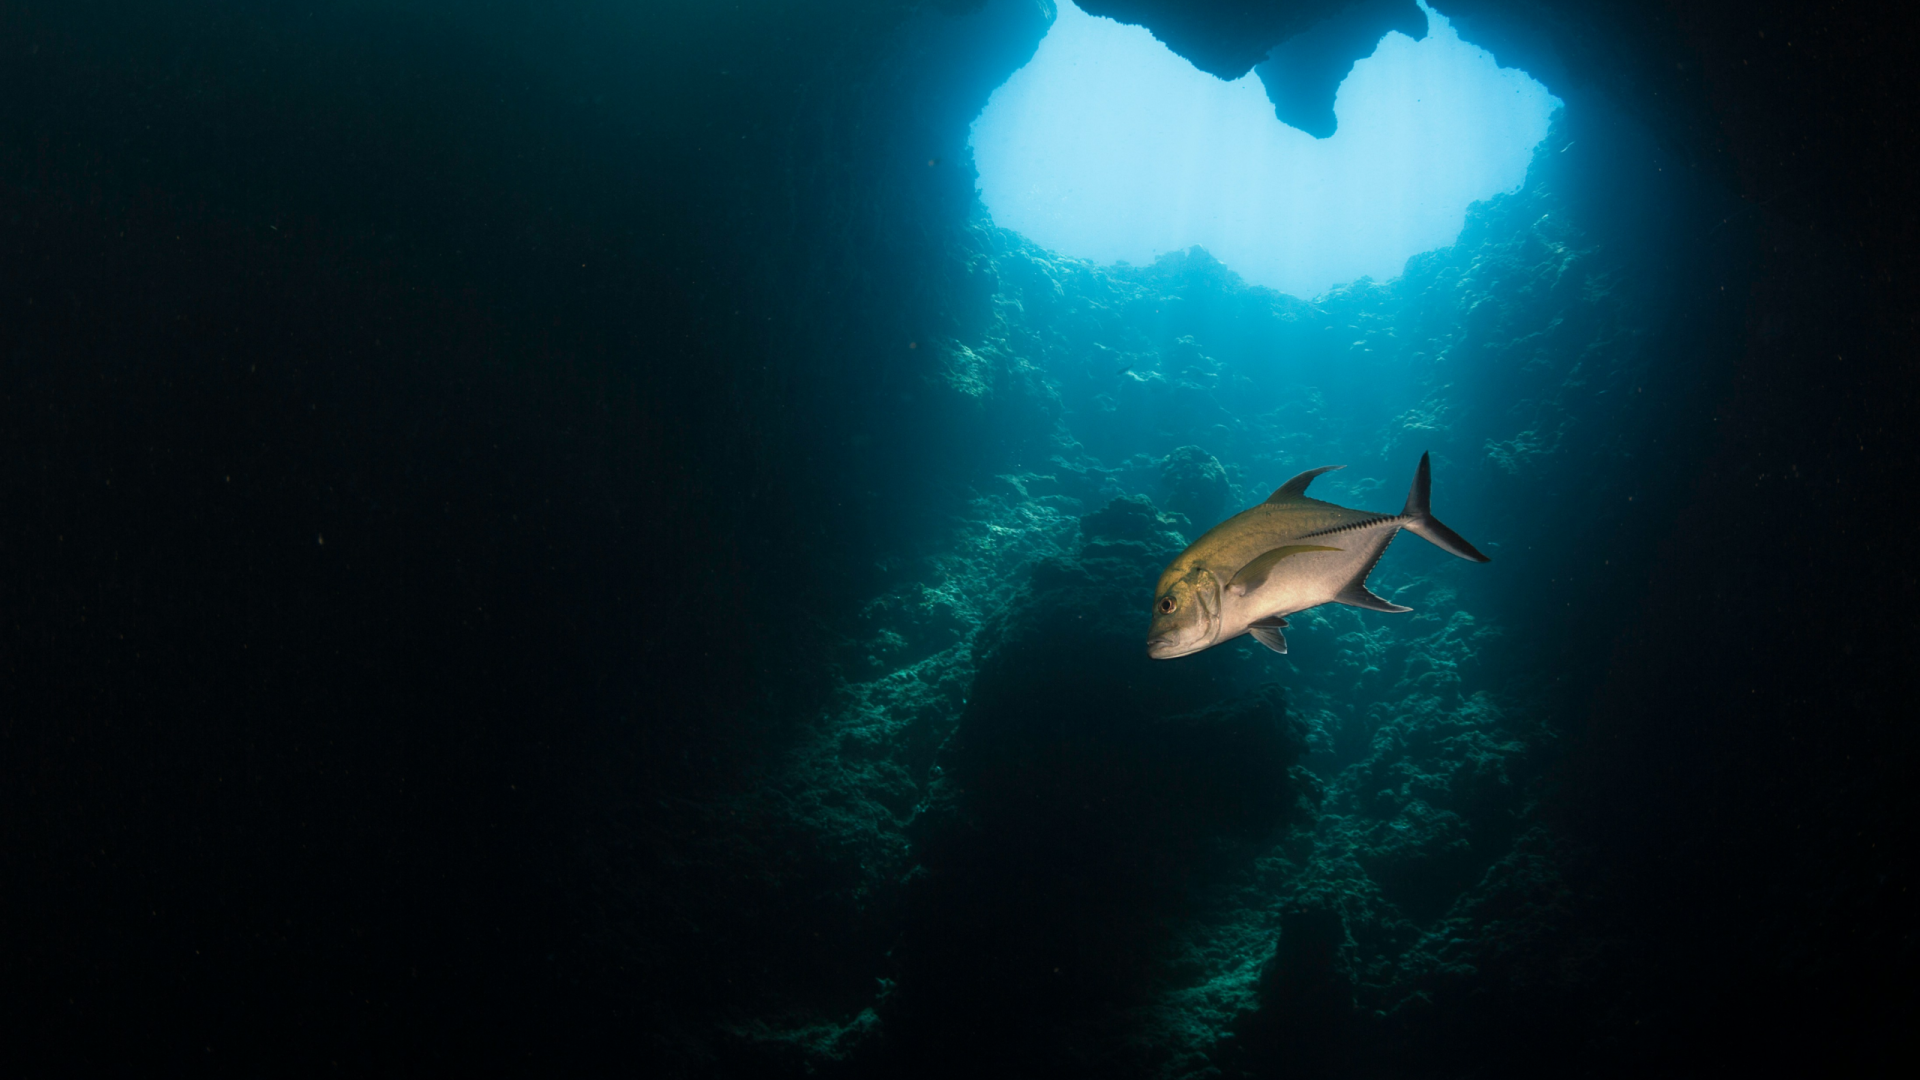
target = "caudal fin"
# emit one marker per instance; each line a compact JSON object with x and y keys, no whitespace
{"x":1420,"y":519}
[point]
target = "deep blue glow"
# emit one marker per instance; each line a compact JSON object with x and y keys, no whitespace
{"x":1109,"y":147}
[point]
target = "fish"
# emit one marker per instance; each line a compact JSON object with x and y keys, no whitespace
{"x":1290,"y":553}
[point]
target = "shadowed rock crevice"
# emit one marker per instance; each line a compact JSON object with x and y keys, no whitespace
{"x":1088,"y":797}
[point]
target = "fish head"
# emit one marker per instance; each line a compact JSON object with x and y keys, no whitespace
{"x":1186,"y":616}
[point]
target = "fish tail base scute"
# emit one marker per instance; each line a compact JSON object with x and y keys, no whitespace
{"x":1421,"y":522}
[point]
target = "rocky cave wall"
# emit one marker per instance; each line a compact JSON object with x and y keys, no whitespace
{"x":936,"y":872}
{"x":706,"y":284}
{"x":1094,"y":855}
{"x":1079,"y":395}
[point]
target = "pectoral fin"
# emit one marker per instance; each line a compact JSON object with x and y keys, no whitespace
{"x":1255,"y":574}
{"x":1267,"y":632}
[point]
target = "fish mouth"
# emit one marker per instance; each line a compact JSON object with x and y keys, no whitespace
{"x":1158,"y":647}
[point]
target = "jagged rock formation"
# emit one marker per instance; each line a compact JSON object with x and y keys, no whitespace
{"x":1303,"y":73}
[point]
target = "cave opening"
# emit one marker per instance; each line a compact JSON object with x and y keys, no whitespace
{"x":1109,"y":146}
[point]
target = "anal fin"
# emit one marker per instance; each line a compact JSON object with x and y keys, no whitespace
{"x":1356,"y":594}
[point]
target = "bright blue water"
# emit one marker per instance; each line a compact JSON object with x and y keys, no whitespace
{"x":1109,"y":147}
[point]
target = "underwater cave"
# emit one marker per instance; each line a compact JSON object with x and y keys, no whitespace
{"x":603,"y":537}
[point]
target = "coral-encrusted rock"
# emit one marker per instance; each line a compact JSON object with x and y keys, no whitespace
{"x":1132,"y":519}
{"x":1196,"y":485}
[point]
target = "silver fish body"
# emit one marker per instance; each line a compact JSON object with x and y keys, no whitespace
{"x":1290,"y":553}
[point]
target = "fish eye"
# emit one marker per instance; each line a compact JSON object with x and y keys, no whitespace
{"x":1166,"y":604}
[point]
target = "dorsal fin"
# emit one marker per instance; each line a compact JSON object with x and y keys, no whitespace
{"x":1296,"y":488}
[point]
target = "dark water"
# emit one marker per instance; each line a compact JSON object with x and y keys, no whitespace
{"x":561,"y":537}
